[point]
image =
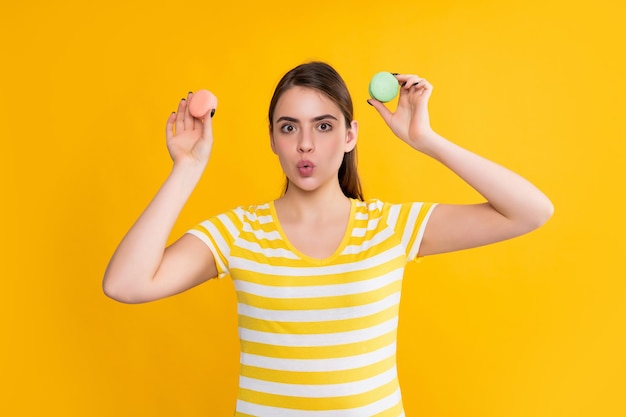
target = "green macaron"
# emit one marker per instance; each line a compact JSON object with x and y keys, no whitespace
{"x":384,"y":87}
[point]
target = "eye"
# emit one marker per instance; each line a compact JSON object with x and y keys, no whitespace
{"x":325,"y":127}
{"x":287,"y":128}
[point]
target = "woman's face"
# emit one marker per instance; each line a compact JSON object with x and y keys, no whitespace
{"x":310,"y":136}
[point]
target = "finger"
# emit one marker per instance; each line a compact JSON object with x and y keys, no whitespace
{"x":180,"y":116}
{"x":385,"y":113}
{"x":407,"y":79}
{"x":409,"y":85}
{"x":412,"y":82}
{"x":415,"y":85}
{"x":423,"y":87}
{"x":207,"y":128}
{"x":420,"y":82}
{"x":401,"y":78}
{"x":189,"y":119}
{"x":169,"y":126}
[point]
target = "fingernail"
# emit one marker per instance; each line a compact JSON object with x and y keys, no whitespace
{"x":212,"y":112}
{"x":368,"y":102}
{"x":415,"y":84}
{"x":183,"y":99}
{"x":395,"y":73}
{"x":403,"y":84}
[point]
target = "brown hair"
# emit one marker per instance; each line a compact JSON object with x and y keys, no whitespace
{"x":322,"y":77}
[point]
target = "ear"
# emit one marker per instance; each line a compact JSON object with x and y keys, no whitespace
{"x":272,"y":140}
{"x":352,"y":134}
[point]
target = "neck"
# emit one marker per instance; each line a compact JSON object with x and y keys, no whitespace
{"x":316,"y":204}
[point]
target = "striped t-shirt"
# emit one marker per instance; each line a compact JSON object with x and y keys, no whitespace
{"x":318,"y":337}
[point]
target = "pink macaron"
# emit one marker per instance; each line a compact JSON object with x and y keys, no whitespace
{"x":201,"y":103}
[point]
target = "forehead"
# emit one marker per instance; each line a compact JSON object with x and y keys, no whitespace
{"x":304,"y":102}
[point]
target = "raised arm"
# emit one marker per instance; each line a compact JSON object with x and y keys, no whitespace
{"x":513,"y":205}
{"x":142,"y":268}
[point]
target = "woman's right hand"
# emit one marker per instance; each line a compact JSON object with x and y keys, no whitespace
{"x":143,"y":267}
{"x":189,"y":139}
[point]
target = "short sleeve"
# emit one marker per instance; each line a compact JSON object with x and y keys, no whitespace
{"x":219,"y":233}
{"x":411,"y":223}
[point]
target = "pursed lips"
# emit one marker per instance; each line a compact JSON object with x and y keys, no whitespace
{"x":305,"y":168}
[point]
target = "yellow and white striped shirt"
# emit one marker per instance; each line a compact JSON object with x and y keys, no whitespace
{"x":318,"y":336}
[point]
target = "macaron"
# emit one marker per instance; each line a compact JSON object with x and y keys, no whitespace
{"x":201,"y":103}
{"x":384,"y":87}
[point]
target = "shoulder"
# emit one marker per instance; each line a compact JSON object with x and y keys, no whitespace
{"x":246,"y":218}
{"x":232,"y":221}
{"x":374,"y":212}
{"x":377,"y":207}
{"x":372,"y":206}
{"x":394,"y":213}
{"x":254,"y":213}
{"x":245,"y":212}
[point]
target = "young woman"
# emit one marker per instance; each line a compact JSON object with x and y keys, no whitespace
{"x":318,"y":271}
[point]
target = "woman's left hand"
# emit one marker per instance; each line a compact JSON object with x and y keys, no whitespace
{"x":410,"y":122}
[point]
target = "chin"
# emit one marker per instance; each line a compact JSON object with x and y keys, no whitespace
{"x":304,"y":187}
{"x":309,"y":186}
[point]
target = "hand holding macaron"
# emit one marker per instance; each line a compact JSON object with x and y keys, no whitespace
{"x":189,"y":130}
{"x":201,"y":102}
{"x":410,"y":121}
{"x":384,"y":87}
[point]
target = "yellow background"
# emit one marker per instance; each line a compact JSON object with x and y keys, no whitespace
{"x":532,"y":327}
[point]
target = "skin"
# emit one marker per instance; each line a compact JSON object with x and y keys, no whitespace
{"x":314,"y":213}
{"x":513,"y":205}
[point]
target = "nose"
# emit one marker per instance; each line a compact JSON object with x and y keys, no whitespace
{"x":305,"y":144}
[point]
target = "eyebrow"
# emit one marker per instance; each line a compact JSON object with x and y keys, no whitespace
{"x":315,"y":119}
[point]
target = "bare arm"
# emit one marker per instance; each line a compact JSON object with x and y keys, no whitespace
{"x":142,"y":268}
{"x":514,"y":206}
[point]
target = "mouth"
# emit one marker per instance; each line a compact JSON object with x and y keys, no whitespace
{"x":305,"y":168}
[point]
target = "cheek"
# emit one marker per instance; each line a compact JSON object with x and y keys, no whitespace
{"x":279,"y":146}
{"x":336,"y":151}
